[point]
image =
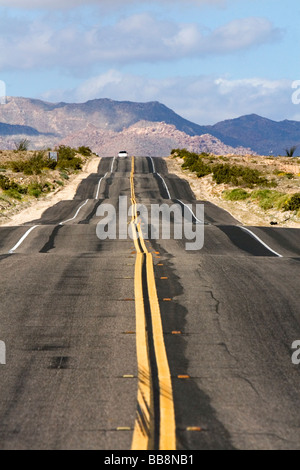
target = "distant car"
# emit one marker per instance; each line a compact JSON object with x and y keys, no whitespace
{"x":123,"y":153}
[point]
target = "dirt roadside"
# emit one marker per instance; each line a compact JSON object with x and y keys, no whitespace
{"x":35,"y":209}
{"x":247,"y":212}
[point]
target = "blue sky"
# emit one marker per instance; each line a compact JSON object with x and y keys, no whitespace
{"x":208,"y":60}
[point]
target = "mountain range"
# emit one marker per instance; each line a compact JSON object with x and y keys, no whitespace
{"x":141,"y":128}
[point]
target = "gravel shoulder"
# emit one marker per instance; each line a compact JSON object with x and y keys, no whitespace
{"x":31,"y":210}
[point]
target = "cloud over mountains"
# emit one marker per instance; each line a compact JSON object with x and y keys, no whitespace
{"x":139,"y":37}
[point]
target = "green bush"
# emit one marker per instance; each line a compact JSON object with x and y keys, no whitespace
{"x":11,"y":188}
{"x":35,"y":189}
{"x":64,"y":175}
{"x":67,"y":159}
{"x":17,"y":166}
{"x":34,"y":165}
{"x":13,"y":193}
{"x":85,"y":151}
{"x":293,"y":204}
{"x":240,"y":176}
{"x":16,"y":191}
{"x":39,"y":162}
{"x":237,"y":194}
{"x":268,"y":199}
{"x":196,"y":163}
{"x":4,"y":182}
{"x":236,"y":175}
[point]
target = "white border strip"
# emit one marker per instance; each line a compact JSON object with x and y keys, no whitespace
{"x":165,"y":184}
{"x":112,"y":165}
{"x":22,"y":239}
{"x":155,"y":173}
{"x":153,"y":166}
{"x":69,"y":220}
{"x":185,"y":205}
{"x":260,"y":241}
{"x":99,"y":184}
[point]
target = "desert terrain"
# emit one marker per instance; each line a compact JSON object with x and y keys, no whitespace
{"x":284,"y":171}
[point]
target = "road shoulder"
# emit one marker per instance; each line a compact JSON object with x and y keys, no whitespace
{"x":205,"y":190}
{"x":37,"y":208}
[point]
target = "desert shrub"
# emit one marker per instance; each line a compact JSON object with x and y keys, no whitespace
{"x":237,"y":194}
{"x":195,"y":163}
{"x":224,"y":174}
{"x":85,"y":151}
{"x":74,"y":164}
{"x":225,"y":159}
{"x":13,"y":193}
{"x":66,"y":153}
{"x":22,"y":145}
{"x":291,"y":151}
{"x":39,"y":162}
{"x":293,"y":203}
{"x":182,"y":153}
{"x":17,"y":166}
{"x":50,"y":164}
{"x":190,"y":160}
{"x":238,"y":176}
{"x":35,"y":189}
{"x":34,"y":165}
{"x":269,"y":199}
{"x":64,"y":175}
{"x":11,"y":188}
{"x":4,"y":182}
{"x":16,"y":191}
{"x":67,"y":159}
{"x":202,"y":169}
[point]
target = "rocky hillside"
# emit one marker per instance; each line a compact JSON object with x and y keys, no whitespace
{"x":65,"y":118}
{"x":148,"y":138}
{"x":48,"y":124}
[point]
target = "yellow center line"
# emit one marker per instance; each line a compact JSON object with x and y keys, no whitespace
{"x":143,"y":436}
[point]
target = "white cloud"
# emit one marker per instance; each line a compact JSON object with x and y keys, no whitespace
{"x":44,"y":4}
{"x":203,"y":99}
{"x":259,"y":86}
{"x":243,"y":33}
{"x":136,"y":38}
{"x":63,"y":4}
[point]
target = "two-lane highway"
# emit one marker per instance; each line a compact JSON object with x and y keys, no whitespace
{"x":120,"y":344}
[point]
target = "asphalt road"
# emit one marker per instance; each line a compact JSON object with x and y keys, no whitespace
{"x":229,"y":312}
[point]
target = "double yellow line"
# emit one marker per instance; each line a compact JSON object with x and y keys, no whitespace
{"x":149,"y":431}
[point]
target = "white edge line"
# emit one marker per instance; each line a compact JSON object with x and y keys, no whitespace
{"x":185,"y":205}
{"x":112,"y":165}
{"x":79,"y":209}
{"x":99,"y":185}
{"x":153,"y":166}
{"x":22,"y":239}
{"x":260,"y":241}
{"x":165,"y":184}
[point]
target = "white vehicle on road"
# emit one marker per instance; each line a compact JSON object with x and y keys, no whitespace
{"x":123,"y":153}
